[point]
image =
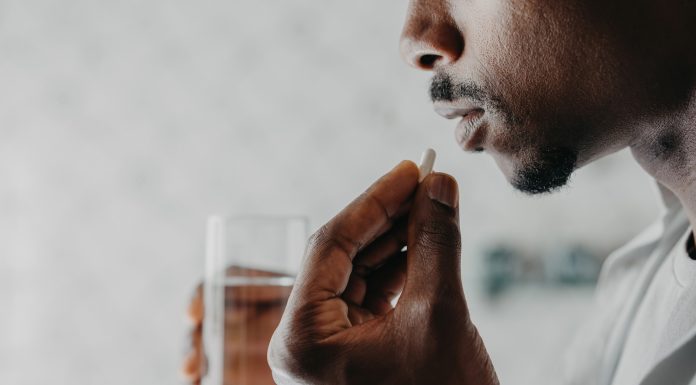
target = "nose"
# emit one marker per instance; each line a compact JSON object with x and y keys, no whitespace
{"x":430,"y":37}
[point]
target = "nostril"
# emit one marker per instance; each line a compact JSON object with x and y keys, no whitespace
{"x":430,"y":39}
{"x":428,"y":60}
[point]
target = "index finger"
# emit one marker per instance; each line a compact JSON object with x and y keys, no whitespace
{"x":329,"y":259}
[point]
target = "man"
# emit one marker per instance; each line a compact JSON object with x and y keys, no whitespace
{"x":545,"y":87}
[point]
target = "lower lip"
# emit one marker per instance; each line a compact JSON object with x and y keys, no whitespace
{"x":467,"y":132}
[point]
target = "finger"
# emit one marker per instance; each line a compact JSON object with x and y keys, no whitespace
{"x":195,"y":308}
{"x":358,"y":315}
{"x":355,"y":289}
{"x":434,"y":240}
{"x":385,"y":284}
{"x":379,"y":251}
{"x":371,"y":258}
{"x":192,"y":367}
{"x":332,"y":248}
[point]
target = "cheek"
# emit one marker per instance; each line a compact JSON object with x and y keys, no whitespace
{"x":514,"y":147}
{"x":517,"y":140}
{"x":556,"y":76}
{"x":532,"y":56}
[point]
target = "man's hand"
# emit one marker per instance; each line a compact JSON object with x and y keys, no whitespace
{"x":340,"y":327}
{"x":194,"y":364}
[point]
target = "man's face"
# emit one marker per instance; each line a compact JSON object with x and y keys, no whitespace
{"x":546,"y":86}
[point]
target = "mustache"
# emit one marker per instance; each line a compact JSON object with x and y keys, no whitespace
{"x":444,"y":88}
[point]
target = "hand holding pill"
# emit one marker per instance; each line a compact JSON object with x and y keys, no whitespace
{"x":400,"y":237}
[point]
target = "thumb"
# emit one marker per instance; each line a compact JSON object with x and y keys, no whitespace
{"x":434,"y":240}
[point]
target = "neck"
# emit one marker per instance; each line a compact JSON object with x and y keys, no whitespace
{"x":666,"y":148}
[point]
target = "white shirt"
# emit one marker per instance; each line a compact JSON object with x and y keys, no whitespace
{"x":642,"y":329}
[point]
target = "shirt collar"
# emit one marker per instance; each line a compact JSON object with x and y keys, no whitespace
{"x":669,"y":201}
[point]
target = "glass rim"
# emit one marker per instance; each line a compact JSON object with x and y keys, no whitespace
{"x":253,"y":217}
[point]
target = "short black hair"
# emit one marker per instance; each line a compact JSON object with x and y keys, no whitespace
{"x":551,"y":171}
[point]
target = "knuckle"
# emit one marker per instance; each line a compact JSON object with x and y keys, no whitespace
{"x":328,"y":235}
{"x":319,"y":238}
{"x":326,"y":241}
{"x":379,"y":204}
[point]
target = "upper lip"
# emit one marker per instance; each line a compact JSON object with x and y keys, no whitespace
{"x":452,"y":110}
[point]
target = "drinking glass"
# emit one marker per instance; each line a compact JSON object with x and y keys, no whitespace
{"x":251,"y":264}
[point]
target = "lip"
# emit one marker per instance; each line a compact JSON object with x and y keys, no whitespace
{"x":455,"y":110}
{"x":470,"y":132}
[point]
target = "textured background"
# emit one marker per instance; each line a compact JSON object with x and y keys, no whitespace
{"x":124,"y":123}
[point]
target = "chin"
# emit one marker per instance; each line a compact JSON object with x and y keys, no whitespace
{"x":548,"y":170}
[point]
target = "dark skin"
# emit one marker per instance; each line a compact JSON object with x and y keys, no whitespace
{"x":576,"y":74}
{"x":340,"y":310}
{"x":577,"y":79}
{"x":340,"y":327}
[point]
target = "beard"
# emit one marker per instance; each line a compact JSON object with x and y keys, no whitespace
{"x":549,"y":172}
{"x":552,"y":165}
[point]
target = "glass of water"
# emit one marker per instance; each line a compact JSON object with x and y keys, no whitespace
{"x":251,"y":263}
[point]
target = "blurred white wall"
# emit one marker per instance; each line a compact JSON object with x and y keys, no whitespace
{"x":123,"y":124}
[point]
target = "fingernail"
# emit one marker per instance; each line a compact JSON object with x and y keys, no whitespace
{"x":443,"y":189}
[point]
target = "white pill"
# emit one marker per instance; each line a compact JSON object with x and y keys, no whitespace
{"x":426,"y":164}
